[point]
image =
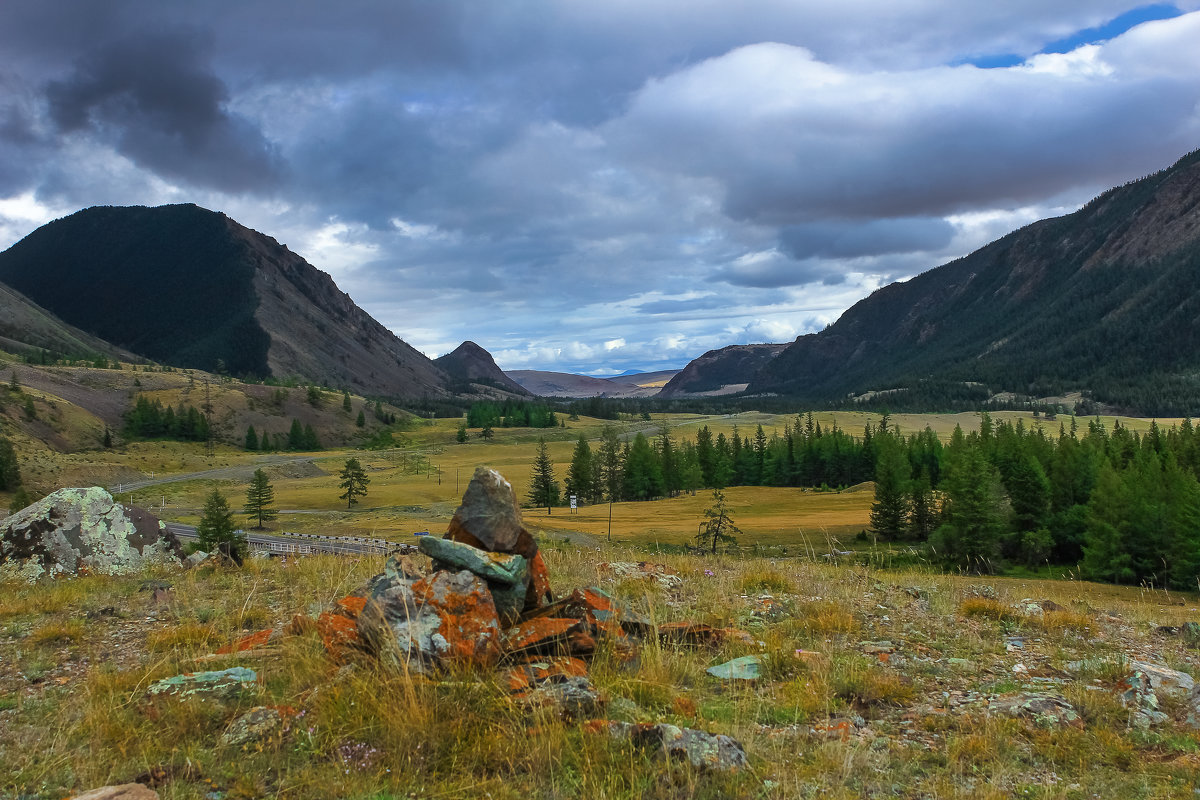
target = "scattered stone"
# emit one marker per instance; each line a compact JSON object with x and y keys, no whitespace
{"x":1044,"y":710}
{"x":255,"y":725}
{"x":694,"y":633}
{"x":702,"y":750}
{"x":660,"y":574}
{"x":541,"y":635}
{"x":1191,"y":634}
{"x":252,"y":641}
{"x":74,"y":531}
{"x":195,"y":559}
{"x":224,"y":684}
{"x":532,"y":673}
{"x":573,"y":697}
{"x":124,"y":791}
{"x":1050,"y":605}
{"x":746,"y":668}
{"x":878,"y":648}
{"x":1162,"y":681}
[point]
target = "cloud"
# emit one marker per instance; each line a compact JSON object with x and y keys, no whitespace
{"x":545,"y":178}
{"x":154,"y":100}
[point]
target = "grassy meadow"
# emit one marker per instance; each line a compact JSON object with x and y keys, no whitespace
{"x":831,"y":718}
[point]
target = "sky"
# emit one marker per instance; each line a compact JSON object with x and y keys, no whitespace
{"x":596,"y":186}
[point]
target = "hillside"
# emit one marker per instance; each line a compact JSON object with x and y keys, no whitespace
{"x":721,"y":371}
{"x":469,"y":363}
{"x":1104,"y":300}
{"x":190,"y":287}
{"x":26,"y":327}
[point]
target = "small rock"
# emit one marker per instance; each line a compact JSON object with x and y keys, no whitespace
{"x":195,"y":559}
{"x":1045,"y":710}
{"x":746,"y":668}
{"x":222,"y":684}
{"x":124,"y":791}
{"x":255,"y":725}
{"x":876,"y":648}
{"x":702,"y":750}
{"x":574,"y":697}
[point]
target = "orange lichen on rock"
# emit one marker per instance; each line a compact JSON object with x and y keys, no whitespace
{"x":539,"y":634}
{"x":248,"y":642}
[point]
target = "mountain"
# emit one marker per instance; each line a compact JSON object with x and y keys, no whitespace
{"x":724,"y":371}
{"x":470,"y":363}
{"x":27,"y":327}
{"x":1105,"y":300}
{"x":192,"y":288}
{"x":566,"y":384}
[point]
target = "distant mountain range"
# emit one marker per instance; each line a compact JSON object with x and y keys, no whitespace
{"x":189,"y":287}
{"x":1105,"y":300}
{"x":564,"y":384}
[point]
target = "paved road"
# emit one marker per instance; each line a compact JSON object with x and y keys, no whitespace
{"x":242,"y":472}
{"x":284,"y":542}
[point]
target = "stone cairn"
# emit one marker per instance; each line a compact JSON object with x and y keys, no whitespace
{"x":486,"y":605}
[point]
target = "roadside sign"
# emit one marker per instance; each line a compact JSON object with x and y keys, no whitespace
{"x":421,"y":533}
{"x":573,"y":503}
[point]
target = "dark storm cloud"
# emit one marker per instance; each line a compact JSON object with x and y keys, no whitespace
{"x":156,"y":101}
{"x":841,"y":239}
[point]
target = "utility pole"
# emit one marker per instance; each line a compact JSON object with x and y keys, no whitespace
{"x":610,"y":502}
{"x":208,"y":440}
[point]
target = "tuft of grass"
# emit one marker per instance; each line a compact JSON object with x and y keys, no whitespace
{"x":828,"y":618}
{"x":1059,"y":622}
{"x":189,"y":636}
{"x":57,"y":632}
{"x":772,"y":581}
{"x":865,"y":686}
{"x":988,"y":608}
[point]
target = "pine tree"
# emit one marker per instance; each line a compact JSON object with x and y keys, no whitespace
{"x":251,"y":438}
{"x":579,"y":474}
{"x":717,"y":527}
{"x":107,"y":441}
{"x":643,"y":472}
{"x":311,"y":442}
{"x":346,"y":402}
{"x":889,"y":512}
{"x":296,"y":436}
{"x":362,"y":419}
{"x":10,"y":472}
{"x":354,"y":481}
{"x":922,"y":518}
{"x":259,"y":497}
{"x":215,"y":532}
{"x":543,"y":488}
{"x":973,"y":512}
{"x":461,"y":435}
{"x":609,"y":464}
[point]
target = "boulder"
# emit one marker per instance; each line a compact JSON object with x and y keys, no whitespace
{"x":76,"y":531}
{"x":430,"y":623}
{"x":489,"y":517}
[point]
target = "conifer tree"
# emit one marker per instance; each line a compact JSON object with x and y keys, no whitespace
{"x":354,"y":481}
{"x":251,"y":438}
{"x":579,"y":474}
{"x":259,"y":497}
{"x":543,"y":488}
{"x":718,"y":526}
{"x":889,"y":512}
{"x":215,"y":531}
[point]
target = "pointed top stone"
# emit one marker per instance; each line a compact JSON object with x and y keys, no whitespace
{"x":489,"y":517}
